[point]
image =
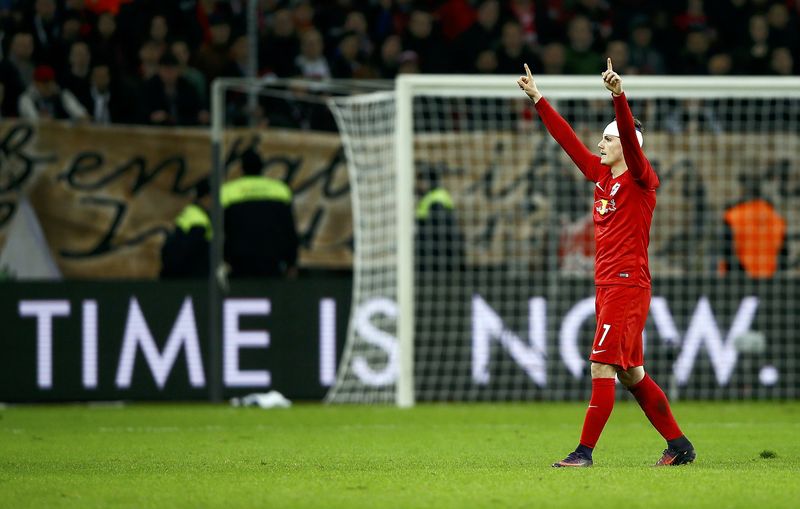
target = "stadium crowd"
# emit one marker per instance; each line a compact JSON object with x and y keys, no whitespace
{"x":151,"y":61}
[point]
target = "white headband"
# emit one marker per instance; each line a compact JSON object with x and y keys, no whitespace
{"x":612,"y":130}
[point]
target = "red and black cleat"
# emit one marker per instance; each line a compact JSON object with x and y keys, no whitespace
{"x":575,"y":459}
{"x":672,"y":457}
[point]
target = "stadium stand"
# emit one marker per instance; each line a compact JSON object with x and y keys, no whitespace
{"x":366,"y":39}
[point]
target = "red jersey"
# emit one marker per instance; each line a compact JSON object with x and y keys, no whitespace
{"x":623,"y":206}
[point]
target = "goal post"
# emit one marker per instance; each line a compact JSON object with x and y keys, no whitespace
{"x":512,"y":318}
{"x":404,"y":162}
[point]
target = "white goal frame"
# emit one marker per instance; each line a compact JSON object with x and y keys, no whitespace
{"x":554,"y":87}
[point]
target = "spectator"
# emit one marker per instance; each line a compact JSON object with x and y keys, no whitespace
{"x":782,"y":27}
{"x":526,"y":13}
{"x":695,"y":54}
{"x":421,"y":38}
{"x":513,"y":50}
{"x":16,"y":71}
{"x":598,"y":12}
{"x":486,"y":62}
{"x":45,"y":31}
{"x":618,"y":51}
{"x":195,"y":18}
{"x":185,"y":252}
{"x":720,"y":64}
{"x":69,"y":34}
{"x":581,"y":56}
{"x":729,"y":18}
{"x":329,"y":17}
{"x":408,"y":63}
{"x":554,"y":58}
{"x":694,"y":17}
{"x":643,"y":56}
{"x":389,"y":60}
{"x":169,"y":99}
{"x":260,"y":235}
{"x":108,"y":101}
{"x":348,"y":62}
{"x":149,"y":55}
{"x":212,"y":58}
{"x":755,"y":234}
{"x":311,"y":63}
{"x":159,"y":31}
{"x":280,"y":47}
{"x":479,"y":36}
{"x":44,"y":99}
{"x":456,"y":16}
{"x":666,"y":38}
{"x":83,"y":13}
{"x":106,"y":46}
{"x":180,"y":50}
{"x":761,"y":6}
{"x":303,"y":16}
{"x":76,"y":78}
{"x":296,"y":111}
{"x":755,"y":55}
{"x":356,"y":23}
{"x":781,"y":62}
{"x":110,"y":6}
{"x":238,"y":57}
{"x":381,"y":20}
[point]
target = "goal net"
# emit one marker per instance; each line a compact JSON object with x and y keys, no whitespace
{"x":474,"y":251}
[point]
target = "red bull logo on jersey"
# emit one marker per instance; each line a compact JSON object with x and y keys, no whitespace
{"x":604,"y":207}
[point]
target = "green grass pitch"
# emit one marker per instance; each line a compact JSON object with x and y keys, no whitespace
{"x":435,"y":456}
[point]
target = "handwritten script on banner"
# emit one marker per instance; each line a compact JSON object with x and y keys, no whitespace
{"x":106,"y":196}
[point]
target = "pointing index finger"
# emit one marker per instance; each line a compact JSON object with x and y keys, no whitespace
{"x":528,"y":72}
{"x":608,"y":62}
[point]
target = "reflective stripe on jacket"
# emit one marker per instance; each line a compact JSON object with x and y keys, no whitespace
{"x":436,"y":196}
{"x":255,"y":188}
{"x":194,"y":216}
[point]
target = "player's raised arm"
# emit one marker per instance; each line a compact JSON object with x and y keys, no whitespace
{"x":637,"y":163}
{"x":559,"y":129}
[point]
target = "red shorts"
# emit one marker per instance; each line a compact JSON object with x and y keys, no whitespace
{"x":621,"y":314}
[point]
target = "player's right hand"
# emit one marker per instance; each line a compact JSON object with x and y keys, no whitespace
{"x":527,"y":85}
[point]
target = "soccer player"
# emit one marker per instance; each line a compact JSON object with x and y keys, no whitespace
{"x":624,"y":199}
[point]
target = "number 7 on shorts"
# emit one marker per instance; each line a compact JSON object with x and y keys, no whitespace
{"x":606,"y":328}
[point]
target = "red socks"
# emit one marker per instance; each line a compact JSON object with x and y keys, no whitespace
{"x":650,"y":397}
{"x":599,"y":410}
{"x":656,"y":407}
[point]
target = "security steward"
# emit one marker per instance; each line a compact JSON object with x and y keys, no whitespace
{"x":260,"y":234}
{"x":755,"y":234}
{"x":185,"y":252}
{"x":439,"y":241}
